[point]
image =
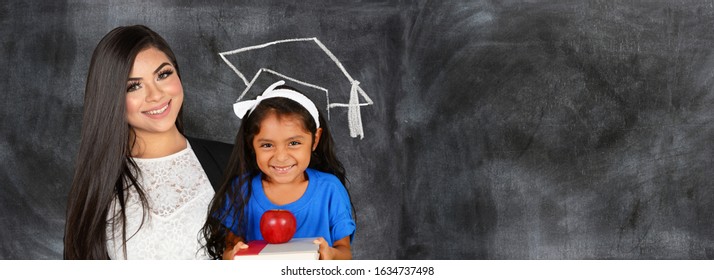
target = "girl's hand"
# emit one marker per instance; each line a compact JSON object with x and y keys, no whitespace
{"x":233,"y":245}
{"x":230,"y":252}
{"x":325,"y":250}
{"x":341,"y":249}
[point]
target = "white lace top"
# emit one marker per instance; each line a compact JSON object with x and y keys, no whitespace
{"x":178,"y":192}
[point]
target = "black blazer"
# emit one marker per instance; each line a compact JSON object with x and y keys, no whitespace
{"x":213,"y":156}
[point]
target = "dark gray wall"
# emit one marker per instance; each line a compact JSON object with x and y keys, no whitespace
{"x":499,"y":130}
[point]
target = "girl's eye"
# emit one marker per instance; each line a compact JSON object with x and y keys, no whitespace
{"x":165,"y":73}
{"x":294,"y":143}
{"x":133,"y":86}
{"x":266,"y":145}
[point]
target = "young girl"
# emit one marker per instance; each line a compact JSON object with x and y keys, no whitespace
{"x":283,"y":159}
{"x":140,"y":187}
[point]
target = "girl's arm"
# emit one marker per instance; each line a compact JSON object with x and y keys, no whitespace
{"x":340,"y":250}
{"x":233,"y":244}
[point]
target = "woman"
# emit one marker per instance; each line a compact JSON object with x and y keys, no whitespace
{"x":141,"y":188}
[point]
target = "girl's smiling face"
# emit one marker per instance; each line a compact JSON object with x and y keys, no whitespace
{"x":153,"y":93}
{"x":283,"y":148}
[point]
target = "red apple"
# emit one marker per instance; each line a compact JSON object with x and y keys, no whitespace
{"x":277,"y":226}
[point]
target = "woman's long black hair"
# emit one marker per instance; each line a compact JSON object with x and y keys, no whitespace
{"x":242,"y":167}
{"x":104,"y":169}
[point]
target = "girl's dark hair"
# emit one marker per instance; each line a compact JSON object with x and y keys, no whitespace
{"x":242,"y":167}
{"x":104,"y":169}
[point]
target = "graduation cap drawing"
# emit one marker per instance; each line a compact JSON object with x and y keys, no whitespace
{"x":306,"y":64}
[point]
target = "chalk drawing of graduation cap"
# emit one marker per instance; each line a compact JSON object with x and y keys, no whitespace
{"x":305,"y":62}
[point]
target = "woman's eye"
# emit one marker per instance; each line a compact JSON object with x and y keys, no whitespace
{"x":133,"y":86}
{"x":165,"y":74}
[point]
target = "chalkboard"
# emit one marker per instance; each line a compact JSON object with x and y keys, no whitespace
{"x":480,"y":129}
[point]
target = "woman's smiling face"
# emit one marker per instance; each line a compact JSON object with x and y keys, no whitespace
{"x":154,"y":93}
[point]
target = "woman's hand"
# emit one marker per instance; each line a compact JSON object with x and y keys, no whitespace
{"x":341,"y":249}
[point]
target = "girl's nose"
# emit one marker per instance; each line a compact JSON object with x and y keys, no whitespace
{"x":281,"y":154}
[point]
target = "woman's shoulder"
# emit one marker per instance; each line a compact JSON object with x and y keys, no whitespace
{"x":219,"y":151}
{"x":208,"y":144}
{"x":213,"y":156}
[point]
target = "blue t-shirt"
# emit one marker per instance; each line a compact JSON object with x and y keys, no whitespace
{"x":324,"y":210}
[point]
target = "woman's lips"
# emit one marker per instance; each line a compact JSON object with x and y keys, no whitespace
{"x":159,"y":111}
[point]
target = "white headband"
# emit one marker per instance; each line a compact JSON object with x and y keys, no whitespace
{"x":243,"y":107}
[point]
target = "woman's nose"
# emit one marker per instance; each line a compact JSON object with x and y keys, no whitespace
{"x":153,"y":93}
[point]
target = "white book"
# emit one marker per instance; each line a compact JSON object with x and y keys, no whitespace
{"x":295,"y":249}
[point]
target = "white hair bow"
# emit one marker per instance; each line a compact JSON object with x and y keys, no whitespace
{"x":247,"y":106}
